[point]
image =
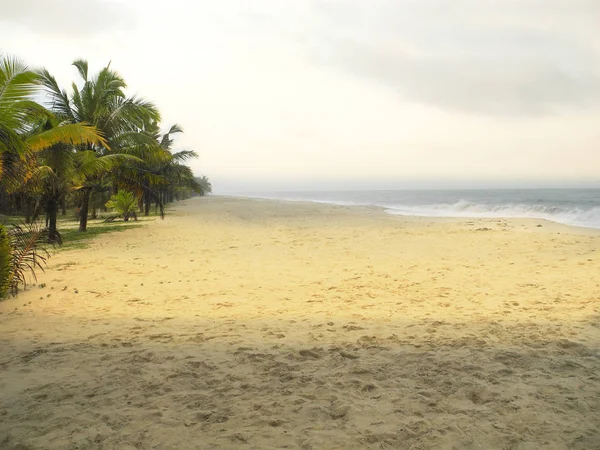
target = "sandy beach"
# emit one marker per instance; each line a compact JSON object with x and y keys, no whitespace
{"x":256,"y":324}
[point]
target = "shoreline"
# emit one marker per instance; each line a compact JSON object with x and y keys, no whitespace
{"x":523,"y":221}
{"x":262,"y":324}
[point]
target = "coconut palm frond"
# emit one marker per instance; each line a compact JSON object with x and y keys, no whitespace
{"x":59,"y":98}
{"x":17,"y":82}
{"x":184,"y":155}
{"x":82,"y":67}
{"x":29,"y":254}
{"x":74,"y":134}
{"x":90,"y":165}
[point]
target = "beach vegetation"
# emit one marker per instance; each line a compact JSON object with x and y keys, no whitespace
{"x":27,"y":253}
{"x":125,"y":204}
{"x":85,"y":148}
{"x":5,"y":262}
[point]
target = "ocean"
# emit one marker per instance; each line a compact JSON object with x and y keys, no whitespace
{"x":578,"y":207}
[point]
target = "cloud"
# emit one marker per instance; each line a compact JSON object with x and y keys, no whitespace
{"x":66,"y":17}
{"x":487,"y":57}
{"x":493,"y":57}
{"x":469,"y":84}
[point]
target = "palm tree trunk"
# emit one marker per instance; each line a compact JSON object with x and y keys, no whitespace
{"x":85,"y":206}
{"x":52,"y":213}
{"x":29,"y":210}
{"x":146,"y":203}
{"x":63,"y":205}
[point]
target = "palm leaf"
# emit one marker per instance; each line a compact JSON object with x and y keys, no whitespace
{"x":82,"y":67}
{"x":60,"y":100}
{"x":131,"y":111}
{"x":166,"y":140}
{"x":135,"y":138}
{"x":28,"y":248}
{"x":74,"y":134}
{"x":11,"y":142}
{"x":91,"y":165}
{"x":17,"y":82}
{"x":184,"y":155}
{"x":15,"y":168}
{"x":20,"y":114}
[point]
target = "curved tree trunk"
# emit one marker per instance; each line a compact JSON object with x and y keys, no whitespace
{"x":85,"y":206}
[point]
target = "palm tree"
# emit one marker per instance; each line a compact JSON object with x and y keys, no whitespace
{"x":56,"y":166}
{"x":19,"y":114}
{"x":101,"y":102}
{"x":161,"y":171}
{"x":17,"y":84}
{"x":27,"y":129}
{"x":205,"y":184}
{"x":170,"y":169}
{"x":63,"y":170}
{"x":181,"y":180}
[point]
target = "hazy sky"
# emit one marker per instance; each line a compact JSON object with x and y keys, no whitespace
{"x":290,"y":93}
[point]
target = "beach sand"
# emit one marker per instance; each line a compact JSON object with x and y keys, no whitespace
{"x":255,"y":324}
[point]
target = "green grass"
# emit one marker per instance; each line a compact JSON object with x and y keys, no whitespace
{"x":10,"y":220}
{"x":73,"y":239}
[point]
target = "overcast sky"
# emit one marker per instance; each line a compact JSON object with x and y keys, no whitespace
{"x":283,"y":94}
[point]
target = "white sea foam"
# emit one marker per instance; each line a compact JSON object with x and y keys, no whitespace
{"x":569,"y":216}
{"x":577,"y":208}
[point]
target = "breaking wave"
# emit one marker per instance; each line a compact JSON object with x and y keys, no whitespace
{"x":569,"y":216}
{"x":570,"y":207}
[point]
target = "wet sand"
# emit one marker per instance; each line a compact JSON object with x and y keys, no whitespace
{"x":255,"y":324}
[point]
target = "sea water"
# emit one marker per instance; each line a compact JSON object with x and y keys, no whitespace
{"x":579,"y":207}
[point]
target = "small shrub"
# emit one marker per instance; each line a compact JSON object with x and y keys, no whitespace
{"x":125,"y":204}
